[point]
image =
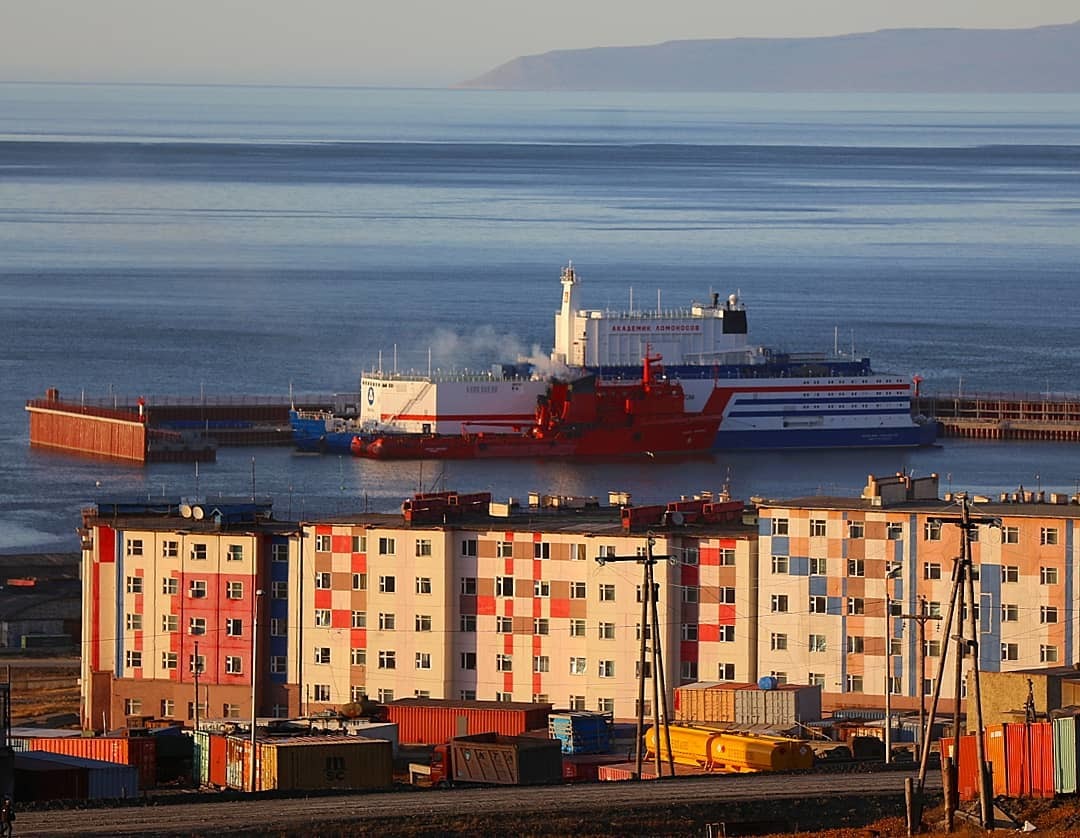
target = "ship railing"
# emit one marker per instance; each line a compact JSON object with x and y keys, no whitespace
{"x":125,"y":404}
{"x":438,"y":377}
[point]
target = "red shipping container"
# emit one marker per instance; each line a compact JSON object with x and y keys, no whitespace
{"x":1029,"y":760}
{"x":140,"y":751}
{"x":218,"y":760}
{"x":585,"y":768}
{"x":967,"y":774}
{"x":429,"y":721}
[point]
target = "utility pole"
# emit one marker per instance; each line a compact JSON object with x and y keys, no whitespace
{"x":962,"y":598}
{"x":921,"y":618}
{"x":650,"y":628}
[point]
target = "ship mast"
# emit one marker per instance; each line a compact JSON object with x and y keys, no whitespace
{"x":564,"y":320}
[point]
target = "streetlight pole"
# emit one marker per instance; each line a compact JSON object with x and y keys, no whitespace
{"x":892,"y":574}
{"x":254,"y":674}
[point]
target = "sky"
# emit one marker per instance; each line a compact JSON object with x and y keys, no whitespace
{"x":422,"y":43}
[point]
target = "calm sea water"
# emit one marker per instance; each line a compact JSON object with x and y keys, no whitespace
{"x":242,"y":240}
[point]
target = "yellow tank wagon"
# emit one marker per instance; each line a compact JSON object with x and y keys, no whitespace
{"x":726,"y":752}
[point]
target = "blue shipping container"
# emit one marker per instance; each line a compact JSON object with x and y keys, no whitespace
{"x":582,"y":733}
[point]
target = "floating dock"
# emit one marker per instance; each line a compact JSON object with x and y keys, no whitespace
{"x":1050,"y":417}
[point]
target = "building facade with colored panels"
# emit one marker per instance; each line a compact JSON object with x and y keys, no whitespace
{"x":164,"y":595}
{"x":823,"y":565}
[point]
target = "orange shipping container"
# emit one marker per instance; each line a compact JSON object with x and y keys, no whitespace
{"x":425,"y":721}
{"x":967,"y":775}
{"x":140,"y":751}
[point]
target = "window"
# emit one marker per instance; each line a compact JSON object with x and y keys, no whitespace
{"x":197,"y":588}
{"x":819,"y":605}
{"x":779,"y":526}
{"x":169,"y":623}
{"x":133,"y":622}
{"x":423,"y":660}
{"x":607,"y":593}
{"x":323,"y":618}
{"x":504,"y":663}
{"x":358,"y":657}
{"x":933,"y":649}
{"x":279,"y":590}
{"x":358,"y":619}
{"x":504,"y":625}
{"x":1010,"y":613}
{"x":577,"y":627}
{"x":690,"y":593}
{"x":322,"y":654}
{"x":468,"y":623}
{"x":688,"y":670}
{"x":541,"y":663}
{"x":1010,"y":535}
{"x":323,"y":581}
{"x":605,"y":705}
{"x":234,"y":664}
{"x":779,"y":564}
{"x":197,"y":663}
{"x":817,"y":527}
{"x":818,"y":643}
{"x":504,"y":697}
{"x":932,"y":530}
{"x":541,"y":588}
{"x":387,"y":546}
{"x":577,"y":590}
{"x":234,"y":590}
{"x":933,"y":608}
{"x":726,"y":634}
{"x":778,"y":642}
{"x":279,"y":552}
{"x":504,"y":586}
{"x":931,"y":570}
{"x":854,"y":683}
{"x":605,"y":631}
{"x":423,"y":547}
{"x":894,"y":531}
{"x":1048,"y":654}
{"x":779,"y":603}
{"x":725,"y":672}
{"x":577,"y":553}
{"x":197,"y":625}
{"x":468,"y":660}
{"x":423,"y":585}
{"x":198,"y":552}
{"x":856,"y":529}
{"x":781,"y":677}
{"x":387,"y":584}
{"x":168,"y":707}
{"x":1048,"y":614}
{"x":1010,"y":573}
{"x":468,"y":546}
{"x":818,"y":567}
{"x":359,"y":581}
{"x":607,"y":669}
{"x":855,"y":644}
{"x":637,"y":631}
{"x":690,"y":631}
{"x":132,"y":706}
{"x":466,"y":695}
{"x":278,"y":627}
{"x":1048,"y":535}
{"x":690,"y":555}
{"x":1048,"y":575}
{"x":323,"y":543}
{"x":385,"y":696}
{"x":504,"y":550}
{"x":856,"y":567}
{"x":726,"y":596}
{"x":727,"y":557}
{"x":607,"y":552}
{"x":856,"y":605}
{"x":423,"y":622}
{"x":135,"y":547}
{"x":234,"y":627}
{"x":896,"y":646}
{"x":321,"y":692}
{"x":387,"y":621}
{"x":277,"y":665}
{"x":387,"y":659}
{"x":133,"y":659}
{"x":134,"y":585}
{"x":541,"y":550}
{"x":235,"y":553}
{"x":541,"y":625}
{"x":1010,"y":651}
{"x":816,"y":679}
{"x":170,"y":549}
{"x":359,"y":544}
{"x":468,"y":585}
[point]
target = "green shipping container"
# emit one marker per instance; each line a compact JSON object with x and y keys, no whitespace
{"x":1066,"y":755}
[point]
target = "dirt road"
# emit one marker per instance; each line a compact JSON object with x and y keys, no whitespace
{"x":666,"y":807}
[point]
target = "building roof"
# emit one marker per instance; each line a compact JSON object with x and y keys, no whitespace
{"x":62,"y":602}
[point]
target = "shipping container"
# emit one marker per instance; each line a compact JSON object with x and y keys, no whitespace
{"x":140,"y":752}
{"x":324,"y":762}
{"x":713,"y":749}
{"x":1066,"y":754}
{"x":105,"y":780}
{"x":1021,"y":758}
{"x":582,"y":733}
{"x":708,"y":701}
{"x":44,"y":779}
{"x":426,"y":721}
{"x":626,"y":771}
{"x":966,"y":770}
{"x":237,"y":768}
{"x":505,"y":760}
{"x":584,"y":768}
{"x":783,"y":707}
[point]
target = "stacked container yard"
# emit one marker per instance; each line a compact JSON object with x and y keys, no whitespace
{"x":766,"y":703}
{"x":426,"y":721}
{"x":140,"y":752}
{"x":582,"y":733}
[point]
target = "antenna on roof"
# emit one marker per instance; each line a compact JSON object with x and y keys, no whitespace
{"x":253,"y":480}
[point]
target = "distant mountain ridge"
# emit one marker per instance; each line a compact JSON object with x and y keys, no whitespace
{"x":1043,"y":59}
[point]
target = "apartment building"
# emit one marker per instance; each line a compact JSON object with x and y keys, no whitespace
{"x":825,"y":563}
{"x":170,"y":592}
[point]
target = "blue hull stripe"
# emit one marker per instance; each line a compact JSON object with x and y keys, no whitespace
{"x":815,"y":398}
{"x":826,"y":438}
{"x":801,"y":413}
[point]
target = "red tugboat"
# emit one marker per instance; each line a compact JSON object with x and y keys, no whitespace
{"x":583,"y":418}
